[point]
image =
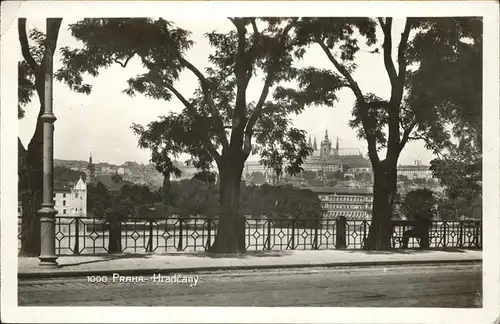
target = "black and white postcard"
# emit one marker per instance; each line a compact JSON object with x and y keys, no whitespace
{"x":250,"y":162}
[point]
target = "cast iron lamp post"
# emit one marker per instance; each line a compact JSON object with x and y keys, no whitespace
{"x":48,"y":212}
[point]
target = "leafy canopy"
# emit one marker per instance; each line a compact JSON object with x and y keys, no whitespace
{"x":219,"y":117}
{"x":436,"y":83}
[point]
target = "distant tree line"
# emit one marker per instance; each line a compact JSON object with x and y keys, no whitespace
{"x":199,"y":196}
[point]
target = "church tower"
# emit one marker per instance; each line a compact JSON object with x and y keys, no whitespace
{"x":326,"y":145}
{"x":90,"y":170}
{"x":315,"y":145}
{"x":337,"y":147}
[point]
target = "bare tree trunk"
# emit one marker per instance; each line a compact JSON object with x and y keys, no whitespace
{"x":30,"y":190}
{"x":384,"y":191}
{"x":230,"y":236}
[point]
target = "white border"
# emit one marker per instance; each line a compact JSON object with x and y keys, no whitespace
{"x":213,"y":10}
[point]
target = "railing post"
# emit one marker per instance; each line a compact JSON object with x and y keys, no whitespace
{"x":179,"y":245}
{"x":115,"y":233}
{"x":209,"y":239}
{"x":76,"y":250}
{"x":364,"y":232}
{"x":268,"y":243}
{"x":315,"y":233}
{"x":340,"y":240}
{"x":460,"y":234}
{"x":149,"y":247}
{"x":292,"y":239}
{"x":445,"y":234}
{"x":478,"y":235}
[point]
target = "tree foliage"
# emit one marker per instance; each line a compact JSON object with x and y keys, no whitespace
{"x":419,"y":204}
{"x":130,"y":201}
{"x":420,"y":105}
{"x":219,"y":103}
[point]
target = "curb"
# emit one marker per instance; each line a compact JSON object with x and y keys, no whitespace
{"x":138,"y":272}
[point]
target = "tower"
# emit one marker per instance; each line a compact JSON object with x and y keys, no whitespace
{"x":337,"y":147}
{"x":79,"y":199}
{"x":315,"y":145}
{"x":309,"y":143}
{"x":90,"y":170}
{"x":326,"y":145}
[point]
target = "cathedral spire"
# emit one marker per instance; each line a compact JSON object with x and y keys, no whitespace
{"x":326,"y":134}
{"x":337,"y":145}
{"x":90,"y":158}
{"x":310,"y":144}
{"x":315,"y":145}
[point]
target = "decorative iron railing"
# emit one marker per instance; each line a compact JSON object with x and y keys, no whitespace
{"x":76,"y":235}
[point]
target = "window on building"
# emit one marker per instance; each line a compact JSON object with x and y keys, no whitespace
{"x":64,"y":195}
{"x":64,"y":211}
{"x":64,"y":202}
{"x":54,"y":195}
{"x":76,"y":194}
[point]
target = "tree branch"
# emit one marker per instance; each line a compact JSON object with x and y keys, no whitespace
{"x":387,"y":46}
{"x":241,"y":67}
{"x":124,"y":64}
{"x":428,"y":142}
{"x":406,"y":136}
{"x":401,"y":51}
{"x":257,"y":37}
{"x":192,"y":109}
{"x":372,"y":142}
{"x":25,"y":49}
{"x":206,"y":92}
{"x":247,"y":146}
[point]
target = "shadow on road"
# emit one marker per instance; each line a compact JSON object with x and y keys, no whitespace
{"x":106,"y":258}
{"x":407,"y":251}
{"x":241,"y":255}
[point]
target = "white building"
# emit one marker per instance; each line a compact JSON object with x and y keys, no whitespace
{"x":415,"y":171}
{"x":352,"y":203}
{"x":71,"y":201}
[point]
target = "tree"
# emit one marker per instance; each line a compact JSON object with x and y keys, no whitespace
{"x":67,"y":175}
{"x":281,"y":202}
{"x":130,"y":201}
{"x":193,"y":198}
{"x":404,"y":179}
{"x":31,"y":76}
{"x":339,"y":175}
{"x":98,"y":199}
{"x":205,"y":176}
{"x":331,"y":175}
{"x":309,"y":175}
{"x":415,"y":110}
{"x":116,"y":178}
{"x":219,"y":124}
{"x":258,"y":178}
{"x":419,"y":204}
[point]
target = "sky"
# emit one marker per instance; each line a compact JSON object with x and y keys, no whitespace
{"x":100,"y":123}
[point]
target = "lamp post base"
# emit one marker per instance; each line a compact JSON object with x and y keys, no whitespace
{"x":47,"y":226}
{"x":48,"y":261}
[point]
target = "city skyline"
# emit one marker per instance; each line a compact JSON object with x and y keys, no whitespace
{"x":84,"y":121}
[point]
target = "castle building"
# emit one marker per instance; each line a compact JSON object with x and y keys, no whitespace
{"x":415,"y":171}
{"x":327,"y":158}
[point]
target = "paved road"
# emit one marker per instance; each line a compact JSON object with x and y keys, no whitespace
{"x":397,"y":286}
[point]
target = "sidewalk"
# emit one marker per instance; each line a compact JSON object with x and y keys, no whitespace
{"x":139,"y":264}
